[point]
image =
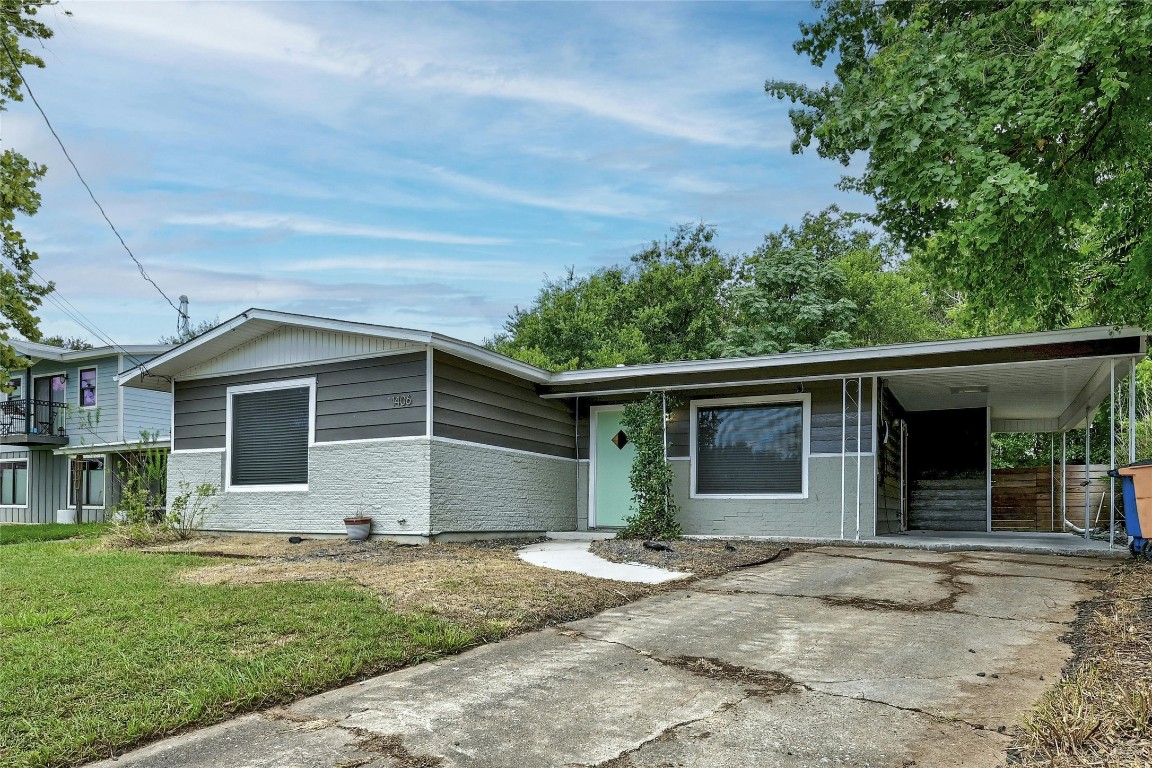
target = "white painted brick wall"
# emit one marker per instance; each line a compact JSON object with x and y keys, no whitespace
{"x":817,"y":515}
{"x":477,"y":488}
{"x":387,"y":480}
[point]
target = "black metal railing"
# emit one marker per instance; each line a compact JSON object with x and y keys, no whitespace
{"x":33,"y":417}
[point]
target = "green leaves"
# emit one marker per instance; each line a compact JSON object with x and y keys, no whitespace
{"x":651,"y":476}
{"x":19,"y":295}
{"x":1010,"y":142}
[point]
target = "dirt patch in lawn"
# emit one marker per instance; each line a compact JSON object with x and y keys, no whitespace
{"x":1100,"y":714}
{"x":482,"y":585}
{"x":700,"y":557}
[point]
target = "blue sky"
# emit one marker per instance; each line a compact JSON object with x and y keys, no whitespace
{"x":416,"y":164}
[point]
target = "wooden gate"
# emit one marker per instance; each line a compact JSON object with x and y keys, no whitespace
{"x":1022,"y":498}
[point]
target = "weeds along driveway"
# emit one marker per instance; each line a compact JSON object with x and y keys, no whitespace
{"x":833,"y":656}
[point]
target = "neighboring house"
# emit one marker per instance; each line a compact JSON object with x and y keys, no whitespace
{"x":66,"y":427}
{"x":302,"y":421}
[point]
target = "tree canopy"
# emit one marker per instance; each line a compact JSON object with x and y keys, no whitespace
{"x":666,"y":304}
{"x":1008,"y":143}
{"x":826,"y":283}
{"x":19,"y":295}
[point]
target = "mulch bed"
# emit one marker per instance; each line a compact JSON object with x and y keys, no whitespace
{"x":700,"y":557}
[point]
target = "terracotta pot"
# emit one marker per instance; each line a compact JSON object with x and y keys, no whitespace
{"x":358,"y":528}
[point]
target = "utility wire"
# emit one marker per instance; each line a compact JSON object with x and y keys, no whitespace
{"x":27,"y":87}
{"x":82,"y":320}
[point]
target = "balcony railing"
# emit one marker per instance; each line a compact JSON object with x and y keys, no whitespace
{"x":33,"y":422}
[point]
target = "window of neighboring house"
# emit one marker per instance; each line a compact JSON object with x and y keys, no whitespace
{"x":269,"y":430}
{"x":17,"y":387}
{"x":14,"y":483}
{"x":754,"y":447}
{"x":91,"y":471}
{"x":88,"y":388}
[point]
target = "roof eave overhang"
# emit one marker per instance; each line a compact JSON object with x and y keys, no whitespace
{"x":168,"y":367}
{"x":867,"y":362}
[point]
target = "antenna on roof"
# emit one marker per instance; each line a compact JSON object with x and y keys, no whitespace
{"x":182,"y":320}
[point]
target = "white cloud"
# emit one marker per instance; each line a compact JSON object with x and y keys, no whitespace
{"x":305,"y":226}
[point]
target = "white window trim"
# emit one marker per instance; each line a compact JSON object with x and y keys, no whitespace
{"x":804,"y":398}
{"x":80,"y":387}
{"x":241,"y":389}
{"x":27,"y":482}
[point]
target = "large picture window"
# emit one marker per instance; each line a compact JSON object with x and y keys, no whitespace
{"x":14,"y":483}
{"x":750,"y":447}
{"x":269,"y":430}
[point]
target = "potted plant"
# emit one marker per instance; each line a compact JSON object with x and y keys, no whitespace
{"x":358,"y":528}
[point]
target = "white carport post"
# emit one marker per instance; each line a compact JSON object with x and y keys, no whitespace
{"x":1052,"y":478}
{"x":1112,"y":455}
{"x":1132,"y":412}
{"x":1063,"y":479}
{"x":1087,"y":472}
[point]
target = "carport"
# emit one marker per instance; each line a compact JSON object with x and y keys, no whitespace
{"x":935,"y":427}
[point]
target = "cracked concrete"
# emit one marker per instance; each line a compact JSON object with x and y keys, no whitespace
{"x":836,"y":656}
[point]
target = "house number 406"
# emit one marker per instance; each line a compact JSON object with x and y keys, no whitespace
{"x":401,"y":401}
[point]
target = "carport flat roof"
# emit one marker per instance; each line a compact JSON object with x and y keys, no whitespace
{"x":1032,"y":382}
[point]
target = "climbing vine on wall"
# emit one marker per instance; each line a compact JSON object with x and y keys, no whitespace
{"x":651,"y":476}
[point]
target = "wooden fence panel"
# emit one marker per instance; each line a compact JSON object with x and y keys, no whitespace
{"x":1022,"y":498}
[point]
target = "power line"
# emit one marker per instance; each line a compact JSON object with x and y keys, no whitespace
{"x":82,"y":320}
{"x":43,"y":114}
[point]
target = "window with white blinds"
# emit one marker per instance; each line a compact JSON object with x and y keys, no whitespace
{"x":270,"y":427}
{"x":753,"y":448}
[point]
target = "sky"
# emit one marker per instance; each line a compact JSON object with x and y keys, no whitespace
{"x":423,"y":165}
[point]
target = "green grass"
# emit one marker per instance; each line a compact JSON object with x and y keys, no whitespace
{"x":22,"y":534}
{"x":102,"y":649}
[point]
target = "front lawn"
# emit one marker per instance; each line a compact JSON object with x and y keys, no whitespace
{"x":104,"y":649}
{"x":100,"y":649}
{"x":20,"y":534}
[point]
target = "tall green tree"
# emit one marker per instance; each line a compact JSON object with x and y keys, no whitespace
{"x":667,"y":304}
{"x":829,"y":283}
{"x":19,"y":295}
{"x":1007,"y":141}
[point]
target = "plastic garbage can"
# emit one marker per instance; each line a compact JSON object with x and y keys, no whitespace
{"x":1136,"y":480}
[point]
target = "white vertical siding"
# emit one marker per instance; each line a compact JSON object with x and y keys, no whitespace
{"x":289,"y":346}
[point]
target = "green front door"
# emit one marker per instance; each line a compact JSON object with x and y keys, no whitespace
{"x":612,"y":461}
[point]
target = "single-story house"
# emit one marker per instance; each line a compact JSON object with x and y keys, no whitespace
{"x":67,"y":430}
{"x":302,"y":421}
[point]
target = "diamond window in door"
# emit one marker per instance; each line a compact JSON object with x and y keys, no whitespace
{"x":620,"y":439}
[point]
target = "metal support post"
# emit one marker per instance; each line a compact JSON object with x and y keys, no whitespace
{"x":1087,"y":472}
{"x":1112,"y":455}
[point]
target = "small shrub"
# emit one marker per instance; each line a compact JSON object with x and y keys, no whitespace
{"x":186,"y":512}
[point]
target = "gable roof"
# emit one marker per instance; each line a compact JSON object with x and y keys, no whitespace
{"x":253,"y":324}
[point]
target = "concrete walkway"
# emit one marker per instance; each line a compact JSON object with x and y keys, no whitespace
{"x":832,"y":656}
{"x":575,"y":556}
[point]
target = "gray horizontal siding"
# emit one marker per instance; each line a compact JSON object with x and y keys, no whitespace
{"x":479,"y":405}
{"x":146,"y":411}
{"x":353,"y":401}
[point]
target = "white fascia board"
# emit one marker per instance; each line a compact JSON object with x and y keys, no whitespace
{"x":983,"y":343}
{"x":486,"y":357}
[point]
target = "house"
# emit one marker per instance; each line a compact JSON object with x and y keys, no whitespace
{"x":66,"y":429}
{"x":302,"y":421}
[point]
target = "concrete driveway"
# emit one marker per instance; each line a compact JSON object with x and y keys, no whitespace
{"x":833,"y":656}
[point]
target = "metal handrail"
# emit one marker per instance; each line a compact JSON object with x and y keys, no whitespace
{"x":33,"y":417}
